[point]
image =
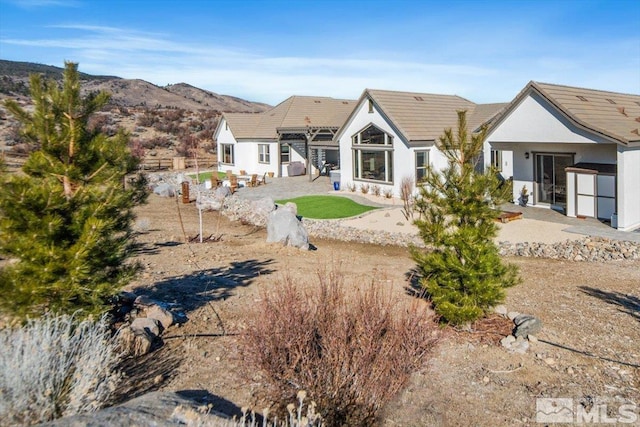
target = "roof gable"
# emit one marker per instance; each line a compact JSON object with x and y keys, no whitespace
{"x":613,"y":115}
{"x":424,"y":116}
{"x":294,"y":112}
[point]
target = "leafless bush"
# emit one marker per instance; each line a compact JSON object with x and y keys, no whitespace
{"x":137,"y":148}
{"x":351,"y":352}
{"x":188,"y":146}
{"x":364,"y":188}
{"x":147,"y":119}
{"x":55,"y":366}
{"x":388,"y":193}
{"x":376,"y":190}
{"x":406,"y":194}
{"x":157,"y":142}
{"x":351,"y":186}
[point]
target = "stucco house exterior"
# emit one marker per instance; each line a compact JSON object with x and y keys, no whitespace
{"x":576,"y":150}
{"x":391,"y":135}
{"x":300,"y":129}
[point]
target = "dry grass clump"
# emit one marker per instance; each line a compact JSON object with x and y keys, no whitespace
{"x":351,"y":351}
{"x":55,"y":366}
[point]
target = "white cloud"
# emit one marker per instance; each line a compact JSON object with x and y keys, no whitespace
{"x":157,"y":58}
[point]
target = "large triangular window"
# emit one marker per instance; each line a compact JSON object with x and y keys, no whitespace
{"x":373,"y":155}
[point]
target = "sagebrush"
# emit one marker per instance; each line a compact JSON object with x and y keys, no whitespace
{"x":351,"y":351}
{"x":56,"y":366}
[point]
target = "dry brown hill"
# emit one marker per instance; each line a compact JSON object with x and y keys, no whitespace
{"x":224,"y":103}
{"x":128,"y":92}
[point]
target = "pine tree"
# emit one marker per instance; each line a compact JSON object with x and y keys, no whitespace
{"x":462,"y":271}
{"x":65,"y":221}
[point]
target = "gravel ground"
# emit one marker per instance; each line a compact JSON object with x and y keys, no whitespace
{"x":588,"y":348}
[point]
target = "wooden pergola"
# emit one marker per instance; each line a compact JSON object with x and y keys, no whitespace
{"x":306,"y":139}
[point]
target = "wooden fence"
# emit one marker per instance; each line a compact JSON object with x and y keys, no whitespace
{"x":16,"y":160}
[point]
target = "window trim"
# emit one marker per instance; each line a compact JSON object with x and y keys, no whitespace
{"x":232,"y":153}
{"x":425,"y":166}
{"x":358,"y":148}
{"x":264,"y":154}
{"x":497,"y":161}
{"x":288,"y":154}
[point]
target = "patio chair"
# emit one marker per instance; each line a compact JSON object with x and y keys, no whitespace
{"x":215,"y":182}
{"x":253,"y":182}
{"x":262,"y":180}
{"x":233,"y":183}
{"x":229,"y":174}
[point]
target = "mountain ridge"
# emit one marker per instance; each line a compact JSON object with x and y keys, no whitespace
{"x":14,"y":80}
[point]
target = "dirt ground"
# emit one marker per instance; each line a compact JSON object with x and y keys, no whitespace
{"x":588,"y":350}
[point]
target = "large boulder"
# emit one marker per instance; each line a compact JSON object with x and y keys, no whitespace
{"x":164,"y":190}
{"x":159,"y":409}
{"x":264,"y":206}
{"x":283,"y":226}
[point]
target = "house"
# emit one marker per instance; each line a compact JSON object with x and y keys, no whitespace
{"x":576,"y":150}
{"x":390,"y":136}
{"x":297,"y":132}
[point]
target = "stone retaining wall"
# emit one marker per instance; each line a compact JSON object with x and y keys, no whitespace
{"x":586,"y":249}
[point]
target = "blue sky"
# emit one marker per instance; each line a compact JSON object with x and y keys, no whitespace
{"x":483,"y":50}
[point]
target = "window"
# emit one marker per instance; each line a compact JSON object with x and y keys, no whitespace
{"x":263,"y":153}
{"x":227,"y":154}
{"x":373,"y":155}
{"x":422,"y":162}
{"x":285,"y":153}
{"x":370,"y":106}
{"x":496,"y":160}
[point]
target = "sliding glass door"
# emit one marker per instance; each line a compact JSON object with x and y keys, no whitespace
{"x":551,"y":178}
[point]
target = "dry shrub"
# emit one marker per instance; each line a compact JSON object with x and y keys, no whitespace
{"x":352,"y":352}
{"x":364,"y":188}
{"x":376,"y":190}
{"x":406,"y":194}
{"x":56,"y":366}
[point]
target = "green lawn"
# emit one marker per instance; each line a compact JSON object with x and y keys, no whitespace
{"x":327,"y":207}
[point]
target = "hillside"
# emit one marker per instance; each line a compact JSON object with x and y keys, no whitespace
{"x":14,"y":78}
{"x":162,"y":121}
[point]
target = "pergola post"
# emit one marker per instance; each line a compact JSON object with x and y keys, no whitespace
{"x":309,"y":171}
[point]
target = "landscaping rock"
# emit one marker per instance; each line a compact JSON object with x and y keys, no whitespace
{"x":263,"y":207}
{"x":526,"y":324}
{"x":135,"y":342}
{"x":501,"y":310}
{"x":283,"y":226}
{"x":165,"y":317}
{"x":159,"y":409}
{"x":589,"y":249}
{"x":146,"y":324}
{"x":507,"y":341}
{"x":164,"y":190}
{"x":512,"y":315}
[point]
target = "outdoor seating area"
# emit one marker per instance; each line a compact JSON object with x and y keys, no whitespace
{"x":243,"y":179}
